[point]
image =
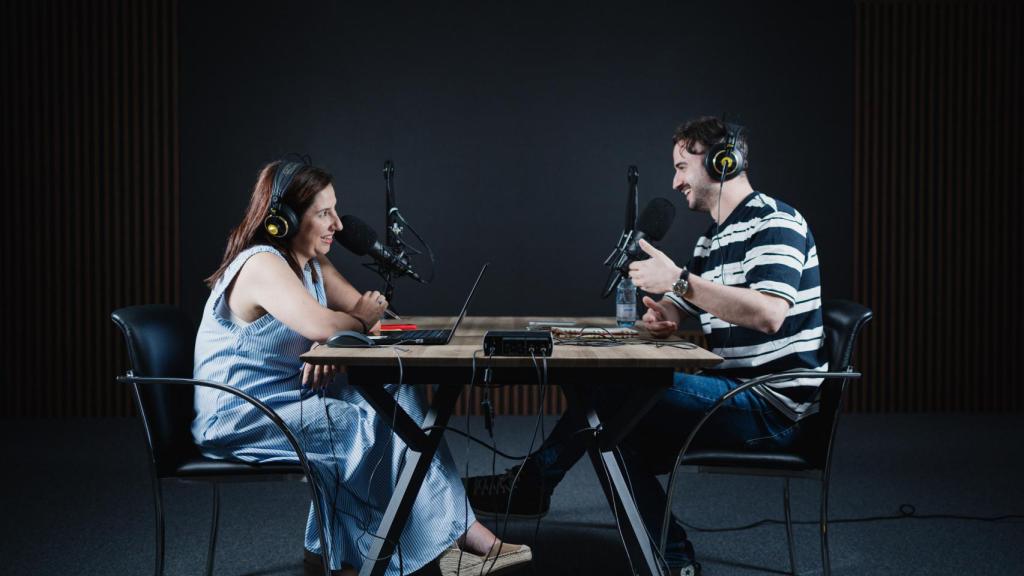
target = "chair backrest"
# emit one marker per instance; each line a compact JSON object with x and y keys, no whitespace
{"x":842,"y":321}
{"x":161,"y":342}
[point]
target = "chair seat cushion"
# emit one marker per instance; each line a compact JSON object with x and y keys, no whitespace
{"x":737,"y":459}
{"x":199,"y":466}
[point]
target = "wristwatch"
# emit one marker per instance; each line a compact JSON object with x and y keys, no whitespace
{"x":682,"y":286}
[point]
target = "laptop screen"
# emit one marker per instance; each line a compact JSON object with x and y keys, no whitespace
{"x":465,"y":306}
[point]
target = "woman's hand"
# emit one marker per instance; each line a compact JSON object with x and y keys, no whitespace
{"x":369,"y":308}
{"x":317,"y":376}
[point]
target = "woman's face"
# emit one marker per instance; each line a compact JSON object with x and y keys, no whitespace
{"x":318,"y":226}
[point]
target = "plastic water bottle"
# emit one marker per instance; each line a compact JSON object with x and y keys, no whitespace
{"x":625,"y":303}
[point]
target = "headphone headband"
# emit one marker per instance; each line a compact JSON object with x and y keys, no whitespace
{"x":282,"y":179}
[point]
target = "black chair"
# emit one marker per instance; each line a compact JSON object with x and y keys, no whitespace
{"x":812,"y":458}
{"x":160,"y":343}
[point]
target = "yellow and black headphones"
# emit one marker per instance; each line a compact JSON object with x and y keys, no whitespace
{"x":281,"y":221}
{"x":724,"y":161}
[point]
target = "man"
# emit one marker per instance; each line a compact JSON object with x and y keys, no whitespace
{"x":753,"y":281}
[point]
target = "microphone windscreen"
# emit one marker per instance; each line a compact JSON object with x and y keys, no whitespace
{"x":356,"y":235}
{"x":656,"y":218}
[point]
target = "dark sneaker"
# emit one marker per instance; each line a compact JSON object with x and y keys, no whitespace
{"x":491,"y":495}
{"x":692,"y":569}
{"x":679,"y":557}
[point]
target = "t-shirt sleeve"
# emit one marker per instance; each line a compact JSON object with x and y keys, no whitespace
{"x":775,"y":256}
{"x":681,"y":303}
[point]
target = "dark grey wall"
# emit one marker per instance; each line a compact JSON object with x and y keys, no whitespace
{"x":511,"y":126}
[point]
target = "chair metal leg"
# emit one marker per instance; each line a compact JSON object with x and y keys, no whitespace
{"x":826,"y":564}
{"x":789,"y":528}
{"x":158,"y":505}
{"x":321,"y":524}
{"x":213,"y":529}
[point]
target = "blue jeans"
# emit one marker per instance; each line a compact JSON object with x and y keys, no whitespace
{"x":747,"y":421}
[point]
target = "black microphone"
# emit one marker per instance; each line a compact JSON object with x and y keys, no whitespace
{"x":653,"y":224}
{"x":360,"y":239}
{"x":391,"y":224}
{"x":633,"y":176}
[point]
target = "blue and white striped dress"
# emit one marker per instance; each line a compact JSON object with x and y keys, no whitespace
{"x":352,"y":450}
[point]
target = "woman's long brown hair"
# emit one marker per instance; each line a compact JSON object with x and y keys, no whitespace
{"x":305,"y":185}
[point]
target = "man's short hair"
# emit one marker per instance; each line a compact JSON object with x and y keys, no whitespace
{"x":700,"y":134}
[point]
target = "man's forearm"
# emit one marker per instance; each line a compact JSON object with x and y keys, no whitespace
{"x":741,"y":306}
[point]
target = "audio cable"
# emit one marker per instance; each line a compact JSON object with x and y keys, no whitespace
{"x":533,"y":440}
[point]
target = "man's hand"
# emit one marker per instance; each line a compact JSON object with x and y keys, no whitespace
{"x":657,"y":274}
{"x":661,"y":319}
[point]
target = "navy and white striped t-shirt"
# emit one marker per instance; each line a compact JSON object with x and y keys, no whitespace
{"x":765,"y":245}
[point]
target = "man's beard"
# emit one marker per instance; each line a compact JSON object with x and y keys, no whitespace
{"x":703,"y":197}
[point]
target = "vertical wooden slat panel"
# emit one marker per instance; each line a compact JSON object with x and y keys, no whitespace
{"x":23,"y":152}
{"x":122,"y":169}
{"x":90,"y":138}
{"x":936,"y":138}
{"x":863,"y":264}
{"x":966,"y":121}
{"x":981,"y":243}
{"x":42,"y":80}
{"x":105,"y":217}
{"x":902,"y":210}
{"x":920,"y":204}
{"x":876,"y":177}
{"x":928,"y":68}
{"x":950,"y":173}
{"x":66,"y":202}
{"x":877,"y":210}
{"x":7,"y":42}
{"x":1010,"y":18}
{"x":856,"y":394}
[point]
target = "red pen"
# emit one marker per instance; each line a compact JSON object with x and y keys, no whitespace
{"x":390,"y":327}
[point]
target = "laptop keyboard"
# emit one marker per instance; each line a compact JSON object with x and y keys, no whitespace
{"x":409,"y":335}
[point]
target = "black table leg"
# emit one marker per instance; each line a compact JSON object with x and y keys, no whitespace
{"x":423,"y":444}
{"x":417,"y":462}
{"x":608,"y":469}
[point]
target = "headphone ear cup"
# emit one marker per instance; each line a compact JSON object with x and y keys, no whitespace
{"x":713,"y":163}
{"x":281,"y":223}
{"x":275,"y":226}
{"x":288,"y":215}
{"x":723,"y":162}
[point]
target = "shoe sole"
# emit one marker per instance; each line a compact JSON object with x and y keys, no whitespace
{"x":475,"y":565}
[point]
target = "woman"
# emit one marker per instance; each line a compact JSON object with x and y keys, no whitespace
{"x":274,"y":296}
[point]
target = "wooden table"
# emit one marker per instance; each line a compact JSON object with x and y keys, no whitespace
{"x":574,"y":368}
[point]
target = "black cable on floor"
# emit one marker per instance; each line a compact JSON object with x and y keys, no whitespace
{"x":906,"y":511}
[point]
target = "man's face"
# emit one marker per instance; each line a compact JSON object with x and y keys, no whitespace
{"x":691,"y":179}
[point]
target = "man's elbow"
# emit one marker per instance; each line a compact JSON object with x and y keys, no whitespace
{"x":774,"y":317}
{"x":771,"y":326}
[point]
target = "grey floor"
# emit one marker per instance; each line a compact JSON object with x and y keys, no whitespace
{"x":77,"y":500}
